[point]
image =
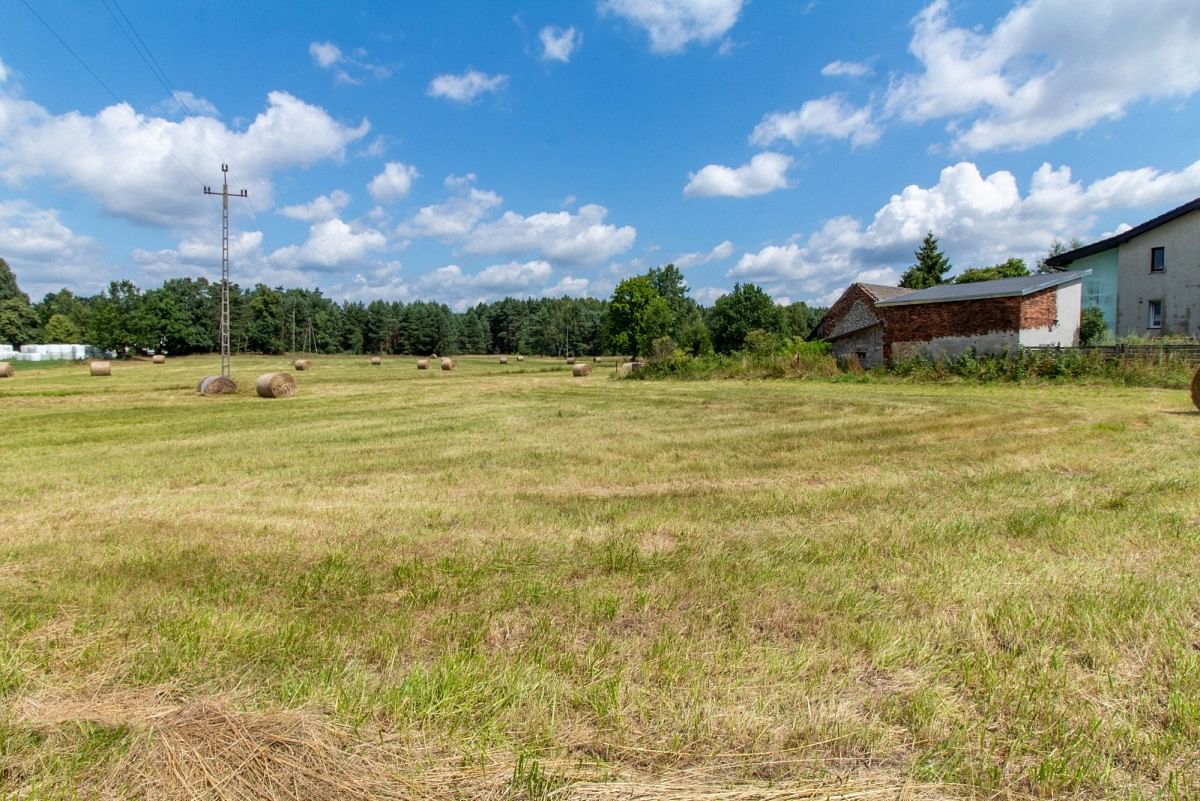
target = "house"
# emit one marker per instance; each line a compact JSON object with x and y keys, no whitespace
{"x":991,"y":317}
{"x":851,"y":325}
{"x":1145,"y":280}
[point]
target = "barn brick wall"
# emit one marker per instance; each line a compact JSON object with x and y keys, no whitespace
{"x":926,"y":322}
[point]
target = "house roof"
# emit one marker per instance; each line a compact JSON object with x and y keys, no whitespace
{"x":1063,"y":259}
{"x":979,"y":290}
{"x":876,"y":292}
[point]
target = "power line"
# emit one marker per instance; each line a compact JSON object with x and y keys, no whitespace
{"x":78,"y":57}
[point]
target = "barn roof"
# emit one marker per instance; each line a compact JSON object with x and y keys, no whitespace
{"x":1063,"y":259}
{"x":980,"y":290}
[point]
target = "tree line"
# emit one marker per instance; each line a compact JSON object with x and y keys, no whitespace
{"x":182,"y":316}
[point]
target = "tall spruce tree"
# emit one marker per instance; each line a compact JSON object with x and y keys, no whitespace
{"x":931,"y":267}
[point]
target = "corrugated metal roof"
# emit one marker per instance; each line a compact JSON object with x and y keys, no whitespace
{"x":979,"y":290}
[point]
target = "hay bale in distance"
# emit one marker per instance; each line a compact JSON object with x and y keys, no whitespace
{"x":101,"y":368}
{"x":6,"y":370}
{"x":422,"y":364}
{"x":581,"y":370}
{"x":158,"y":358}
{"x":520,"y":358}
{"x":504,"y":360}
{"x":1196,"y":389}
{"x":448,"y":363}
{"x":216,"y":385}
{"x":275,"y":385}
{"x":302,"y":364}
{"x":375,"y":360}
{"x":630,"y":367}
{"x":571,"y":360}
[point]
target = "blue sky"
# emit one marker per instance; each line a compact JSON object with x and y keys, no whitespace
{"x":463,"y":151}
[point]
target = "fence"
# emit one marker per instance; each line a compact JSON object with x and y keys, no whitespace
{"x":1181,"y":352}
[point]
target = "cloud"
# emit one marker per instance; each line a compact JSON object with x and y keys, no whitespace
{"x":569,"y":286}
{"x":462,"y":289}
{"x":457,"y":216}
{"x":322,"y":207}
{"x":198,"y":255}
{"x":3,"y":72}
{"x":847,"y":69}
{"x":765,"y":173}
{"x":331,"y":244}
{"x":149,"y":169}
{"x":832,"y":117}
{"x":182,"y":102}
{"x":978,"y":220}
{"x":722,"y":251}
{"x":582,"y":238}
{"x":393,"y":183}
{"x":559,"y":43}
{"x":325,"y":54}
{"x":673,"y":24}
{"x":329,"y":56}
{"x":1034,"y":76}
{"x":44,"y":252}
{"x":465,"y":88}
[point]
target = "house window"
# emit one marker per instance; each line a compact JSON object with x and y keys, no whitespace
{"x":1158,"y":259}
{"x":1154,"y":319}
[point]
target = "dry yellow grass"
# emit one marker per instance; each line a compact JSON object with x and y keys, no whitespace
{"x":748,"y":590}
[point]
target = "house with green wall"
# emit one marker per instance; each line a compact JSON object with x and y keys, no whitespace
{"x":1145,"y":280}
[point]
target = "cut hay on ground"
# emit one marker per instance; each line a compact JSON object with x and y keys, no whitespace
{"x":302,"y":364}
{"x":581,"y":370}
{"x":422,"y":364}
{"x":448,"y":363}
{"x":375,"y":360}
{"x":1196,"y":389}
{"x":216,"y":385}
{"x":214,"y":750}
{"x":158,"y":358}
{"x":101,"y":368}
{"x":6,"y":370}
{"x":275,"y":385}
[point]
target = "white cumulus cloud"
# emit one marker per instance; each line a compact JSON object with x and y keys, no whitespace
{"x":847,"y":69}
{"x":466,"y":87}
{"x":673,"y":24}
{"x":457,"y":216}
{"x":322,"y":207}
{"x":832,"y":117}
{"x":581,"y":238}
{"x":559,"y":43}
{"x":393,"y":183}
{"x":331,"y":244}
{"x":765,"y":173}
{"x":720,"y":251}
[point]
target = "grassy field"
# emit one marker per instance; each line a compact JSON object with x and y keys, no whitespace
{"x":506,"y":582}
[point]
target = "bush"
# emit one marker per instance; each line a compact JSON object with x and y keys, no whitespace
{"x":1092,"y":328}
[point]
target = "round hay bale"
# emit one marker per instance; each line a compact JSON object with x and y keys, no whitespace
{"x":520,"y":358}
{"x":6,"y":370}
{"x":275,"y":385}
{"x":630,"y":367}
{"x":158,"y":358}
{"x":596,"y":359}
{"x":422,"y":364}
{"x":571,"y":360}
{"x":375,"y":360}
{"x":1196,"y":389}
{"x":216,"y":385}
{"x":448,"y":363}
{"x":504,"y":360}
{"x":101,"y":368}
{"x":581,"y":370}
{"x":433,"y":355}
{"x":302,"y":364}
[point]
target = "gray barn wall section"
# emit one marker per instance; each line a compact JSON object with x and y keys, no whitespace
{"x":1177,"y":286}
{"x":867,"y":343}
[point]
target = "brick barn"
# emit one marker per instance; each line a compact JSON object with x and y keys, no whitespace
{"x":991,"y":317}
{"x":853,"y":328}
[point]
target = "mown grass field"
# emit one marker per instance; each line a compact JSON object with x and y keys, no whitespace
{"x":506,"y":582}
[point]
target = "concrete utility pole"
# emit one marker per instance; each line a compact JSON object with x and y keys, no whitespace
{"x":224,"y":193}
